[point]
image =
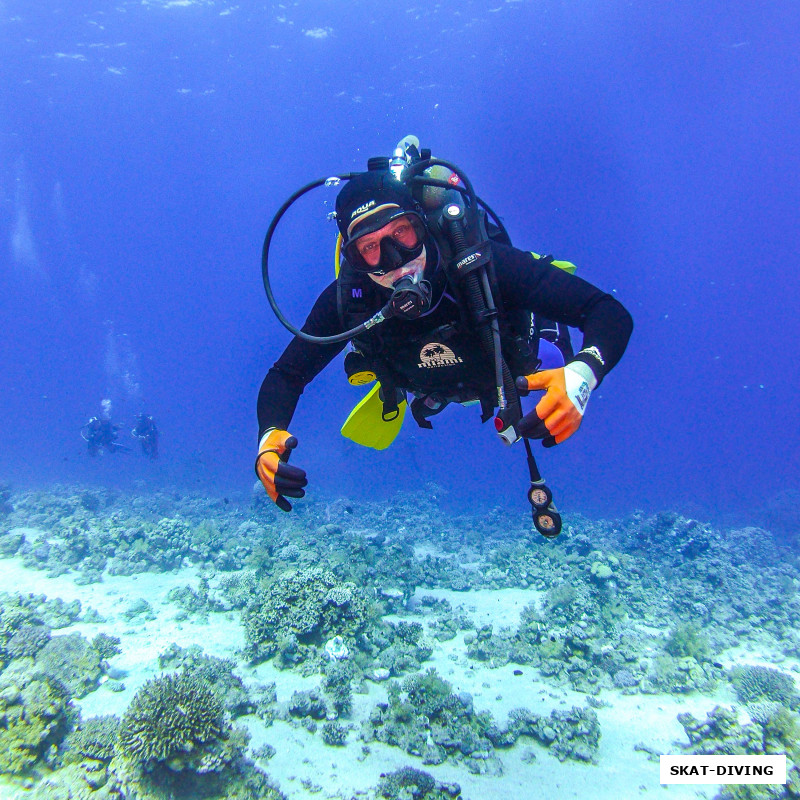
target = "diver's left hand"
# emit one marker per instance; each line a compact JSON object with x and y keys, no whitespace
{"x":560,"y":412}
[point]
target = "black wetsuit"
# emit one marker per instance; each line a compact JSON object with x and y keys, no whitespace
{"x":146,"y":432}
{"x":101,"y":434}
{"x":439,"y":353}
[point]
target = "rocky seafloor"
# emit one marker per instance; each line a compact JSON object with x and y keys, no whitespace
{"x":217,"y":648}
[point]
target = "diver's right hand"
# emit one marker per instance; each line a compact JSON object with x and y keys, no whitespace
{"x":278,"y":477}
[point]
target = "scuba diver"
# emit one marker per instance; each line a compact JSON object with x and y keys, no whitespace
{"x":438,"y":308}
{"x":100,"y":434}
{"x":146,"y":432}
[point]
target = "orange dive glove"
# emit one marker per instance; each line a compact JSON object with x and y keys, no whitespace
{"x":278,"y":477}
{"x":560,"y":412}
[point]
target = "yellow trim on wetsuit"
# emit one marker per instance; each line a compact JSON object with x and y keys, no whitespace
{"x":567,"y":266}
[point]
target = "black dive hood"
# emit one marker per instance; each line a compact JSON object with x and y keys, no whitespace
{"x":409,"y":298}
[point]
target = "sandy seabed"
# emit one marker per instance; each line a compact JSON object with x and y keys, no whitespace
{"x":305,"y":767}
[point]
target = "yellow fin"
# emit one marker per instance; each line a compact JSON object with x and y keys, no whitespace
{"x":365,"y":425}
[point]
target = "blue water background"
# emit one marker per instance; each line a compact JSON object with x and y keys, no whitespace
{"x":144,"y":147}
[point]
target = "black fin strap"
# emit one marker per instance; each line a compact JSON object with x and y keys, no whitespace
{"x":418,"y":410}
{"x":390,"y":406}
{"x":421,"y":410}
{"x":388,"y":395}
{"x":487,"y":407}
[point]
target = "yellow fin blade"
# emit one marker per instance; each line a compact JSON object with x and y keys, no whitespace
{"x":365,"y":425}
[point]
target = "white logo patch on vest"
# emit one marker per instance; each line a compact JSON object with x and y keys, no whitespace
{"x":435,"y":355}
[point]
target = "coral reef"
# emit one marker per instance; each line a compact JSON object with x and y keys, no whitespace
{"x":299,"y":611}
{"x":94,"y":738}
{"x":337,"y":686}
{"x":73,"y":661}
{"x":425,"y":718}
{"x":334,"y":734}
{"x":174,"y":721}
{"x":26,"y":622}
{"x":646,"y":604}
{"x":679,"y":675}
{"x":175,"y":740}
{"x":106,"y":645}
{"x":572,"y":734}
{"x":216,"y":673}
{"x":35,"y":716}
{"x":308,"y":703}
{"x":687,"y":641}
{"x":196,"y":603}
{"x":755,"y":683}
{"x":415,"y":784}
{"x":396,"y":647}
{"x":721,"y":733}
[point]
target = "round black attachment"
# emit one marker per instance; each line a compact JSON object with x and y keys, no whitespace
{"x":548,"y":523}
{"x":540,"y":497}
{"x":378,"y":164}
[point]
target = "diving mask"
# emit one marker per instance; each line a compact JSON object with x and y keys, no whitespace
{"x":391,"y":241}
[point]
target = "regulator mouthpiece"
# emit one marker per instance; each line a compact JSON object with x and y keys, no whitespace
{"x":411,"y":297}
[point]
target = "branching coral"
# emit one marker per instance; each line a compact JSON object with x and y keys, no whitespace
{"x":93,"y":738}
{"x":216,"y":673}
{"x":753,"y":683}
{"x":174,"y":722}
{"x":334,"y":734}
{"x":106,"y":645}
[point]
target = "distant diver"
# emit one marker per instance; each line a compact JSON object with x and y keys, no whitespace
{"x":146,"y":432}
{"x":100,"y":435}
{"x":439,"y":308}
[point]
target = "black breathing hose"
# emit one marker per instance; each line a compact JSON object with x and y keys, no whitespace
{"x":340,"y":337}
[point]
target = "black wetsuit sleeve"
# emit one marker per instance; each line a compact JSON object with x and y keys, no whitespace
{"x":535,"y":285}
{"x":299,"y":364}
